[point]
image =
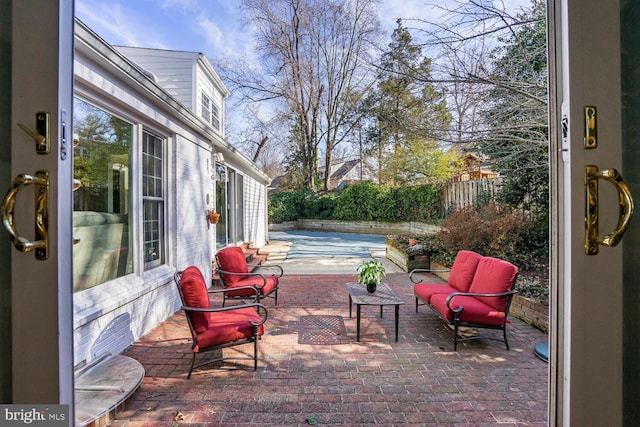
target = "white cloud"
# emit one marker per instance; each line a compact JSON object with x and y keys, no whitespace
{"x":184,"y":5}
{"x":117,"y":24}
{"x":221,"y":27}
{"x":211,"y":32}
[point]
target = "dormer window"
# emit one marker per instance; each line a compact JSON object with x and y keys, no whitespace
{"x":210,"y":112}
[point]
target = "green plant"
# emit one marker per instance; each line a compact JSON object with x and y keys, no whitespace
{"x":360,"y":202}
{"x":319,"y":206}
{"x":371,"y":271}
{"x":533,"y":288}
{"x":287,"y":205}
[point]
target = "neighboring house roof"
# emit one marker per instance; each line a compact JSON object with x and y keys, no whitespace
{"x":277,"y":182}
{"x":345,"y":168}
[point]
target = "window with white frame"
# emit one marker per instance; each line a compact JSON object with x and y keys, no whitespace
{"x":153,"y":199}
{"x":215,"y":116}
{"x":102,"y":205}
{"x":210,"y":112}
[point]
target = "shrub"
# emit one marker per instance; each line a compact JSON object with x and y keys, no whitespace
{"x":287,"y":205}
{"x":319,"y":207}
{"x":363,"y":201}
{"x":420,"y":203}
{"x":493,"y":230}
{"x":360,"y":202}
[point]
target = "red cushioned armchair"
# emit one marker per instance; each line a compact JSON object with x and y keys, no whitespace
{"x":235,"y":276}
{"x":218,"y":328}
{"x":478,"y":294}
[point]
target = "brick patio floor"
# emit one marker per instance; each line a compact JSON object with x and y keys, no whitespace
{"x":418,"y":380}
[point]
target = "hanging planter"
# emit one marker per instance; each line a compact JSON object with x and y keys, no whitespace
{"x":213,"y":216}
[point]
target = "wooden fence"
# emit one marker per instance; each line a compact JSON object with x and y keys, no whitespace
{"x":459,"y":195}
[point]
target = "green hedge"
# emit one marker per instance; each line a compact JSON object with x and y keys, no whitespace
{"x":287,"y":205}
{"x":358,"y":202}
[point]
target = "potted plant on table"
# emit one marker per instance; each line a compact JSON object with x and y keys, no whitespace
{"x":370,"y":273}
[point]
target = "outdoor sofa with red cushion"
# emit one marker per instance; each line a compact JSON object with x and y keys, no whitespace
{"x":478,"y":294}
{"x":236,"y":276}
{"x":218,"y":328}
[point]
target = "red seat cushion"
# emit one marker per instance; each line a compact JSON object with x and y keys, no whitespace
{"x":474,"y":311}
{"x":494,"y":276}
{"x":194,"y":294}
{"x":424,"y":291}
{"x":463,"y":270}
{"x":228,"y":326}
{"x":265,"y":289}
{"x":232,"y":259}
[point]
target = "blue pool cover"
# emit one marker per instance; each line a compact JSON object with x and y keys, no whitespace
{"x":306,"y":244}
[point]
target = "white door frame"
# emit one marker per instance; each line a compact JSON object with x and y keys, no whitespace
{"x":42,"y":80}
{"x":586,"y":343}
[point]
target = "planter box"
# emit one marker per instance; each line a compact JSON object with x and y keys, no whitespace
{"x":530,"y":311}
{"x":406,"y":262}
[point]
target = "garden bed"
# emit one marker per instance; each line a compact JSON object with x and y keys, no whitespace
{"x":407,"y":262}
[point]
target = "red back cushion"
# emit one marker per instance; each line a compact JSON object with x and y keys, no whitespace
{"x":463,"y":270}
{"x":494,"y":276}
{"x":194,"y":294}
{"x":232,"y":259}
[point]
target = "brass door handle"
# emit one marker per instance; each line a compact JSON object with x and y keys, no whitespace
{"x":41,"y":184}
{"x":625,"y":201}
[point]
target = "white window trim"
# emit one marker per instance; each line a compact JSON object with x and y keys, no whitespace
{"x":125,"y":289}
{"x":212,"y":110}
{"x":147,"y":266}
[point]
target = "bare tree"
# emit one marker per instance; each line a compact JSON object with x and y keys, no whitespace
{"x":496,"y":63}
{"x":484,"y":48}
{"x":313,"y":65}
{"x":262,"y":137}
{"x":346,"y":33}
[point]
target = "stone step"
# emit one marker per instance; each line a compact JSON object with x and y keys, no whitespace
{"x":102,"y":391}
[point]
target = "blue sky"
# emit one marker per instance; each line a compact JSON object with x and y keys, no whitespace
{"x":212,"y":27}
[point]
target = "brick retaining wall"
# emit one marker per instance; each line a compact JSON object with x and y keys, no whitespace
{"x":530,"y":311}
{"x":364,"y":227}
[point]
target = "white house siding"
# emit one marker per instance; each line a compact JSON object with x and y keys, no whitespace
{"x":255,"y":194}
{"x":192,"y":184}
{"x":111,"y":316}
{"x":174,"y":70}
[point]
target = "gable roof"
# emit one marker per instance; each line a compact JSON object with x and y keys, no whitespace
{"x":344,"y":168}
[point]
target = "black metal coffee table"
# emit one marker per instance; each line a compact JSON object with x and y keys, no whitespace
{"x":383,"y":295}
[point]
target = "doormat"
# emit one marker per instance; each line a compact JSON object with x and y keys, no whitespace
{"x":322,"y":330}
